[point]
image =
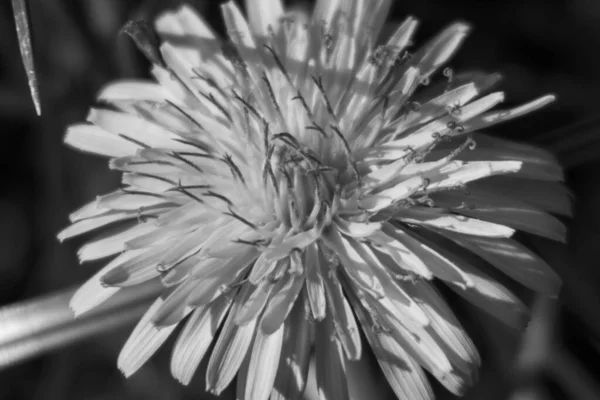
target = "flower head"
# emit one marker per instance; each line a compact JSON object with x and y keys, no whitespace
{"x":297,"y":183}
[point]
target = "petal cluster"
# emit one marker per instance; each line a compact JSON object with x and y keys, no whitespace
{"x":302,"y":181}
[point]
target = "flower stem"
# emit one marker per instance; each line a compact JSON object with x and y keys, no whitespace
{"x":35,"y":327}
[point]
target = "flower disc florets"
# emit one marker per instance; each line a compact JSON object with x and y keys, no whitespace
{"x":299,"y":182}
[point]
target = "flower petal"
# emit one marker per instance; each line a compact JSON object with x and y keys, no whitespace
{"x":295,"y":356}
{"x":264,"y":360}
{"x":503,"y":210}
{"x":330,"y":363}
{"x":264,"y":15}
{"x":230,"y":349}
{"x":315,"y":289}
{"x":514,"y":259}
{"x":143,"y":342}
{"x":93,"y":139}
{"x":194,"y":340}
{"x":281,"y":302}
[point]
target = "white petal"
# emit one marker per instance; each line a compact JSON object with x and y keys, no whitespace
{"x":93,"y":139}
{"x":230,"y":350}
{"x":195,"y":338}
{"x":358,"y":270}
{"x":90,"y":224}
{"x":112,"y":242}
{"x":252,"y":305}
{"x":315,"y":289}
{"x":143,"y":342}
{"x":264,"y":15}
{"x":357,"y":229}
{"x":93,"y":292}
{"x":458,"y":173}
{"x":492,"y":297}
{"x":129,"y":271}
{"x":175,"y":307}
{"x":387,"y":197}
{"x":330,"y":363}
{"x":439,"y":50}
{"x":497,"y":117}
{"x":454,"y":223}
{"x":184,"y":21}
{"x":550,"y":196}
{"x":340,"y":313}
{"x":403,"y":374}
{"x":503,"y":210}
{"x":264,"y":360}
{"x":134,"y":90}
{"x":514,"y":259}
{"x":285,"y":294}
{"x":453,"y":338}
{"x":440,"y":266}
{"x":295,"y":356}
{"x":136,"y":128}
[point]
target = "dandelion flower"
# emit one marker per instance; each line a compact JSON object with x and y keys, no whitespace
{"x":298,"y":183}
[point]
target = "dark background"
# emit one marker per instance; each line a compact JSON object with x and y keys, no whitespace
{"x":539,"y":46}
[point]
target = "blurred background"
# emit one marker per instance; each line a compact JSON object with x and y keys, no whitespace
{"x":540,"y":47}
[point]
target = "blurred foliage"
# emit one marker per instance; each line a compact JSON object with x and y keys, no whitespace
{"x":539,"y":47}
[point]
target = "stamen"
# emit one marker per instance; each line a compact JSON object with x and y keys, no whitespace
{"x":182,"y":189}
{"x":199,"y":146}
{"x":188,"y":162}
{"x":155,"y":162}
{"x":218,"y":196}
{"x":160,"y":178}
{"x":279,"y":64}
{"x":272,"y":97}
{"x":209,"y":81}
{"x":316,"y":127}
{"x":142,"y":193}
{"x":234,"y":168}
{"x":231,"y":213}
{"x":188,"y":116}
{"x":304,"y":104}
{"x":247,"y":105}
{"x":132,"y":140}
{"x":319,"y":83}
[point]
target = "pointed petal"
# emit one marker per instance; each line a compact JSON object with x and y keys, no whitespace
{"x":174,"y":308}
{"x":295,"y":356}
{"x":454,"y":223}
{"x":358,"y":270}
{"x":514,"y":259}
{"x":441,"y":49}
{"x":93,"y":292}
{"x":253,"y":305}
{"x":195,"y":338}
{"x":330,"y":363}
{"x":402,"y":372}
{"x":315,"y":289}
{"x":503,"y":210}
{"x":230,"y":350}
{"x":264,"y":15}
{"x":451,"y":335}
{"x":340,"y":313}
{"x":264,"y":360}
{"x":285,"y":295}
{"x":134,"y":90}
{"x":483,"y":291}
{"x":93,"y":139}
{"x":143,"y":342}
{"x":550,"y":196}
{"x":112,"y":242}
